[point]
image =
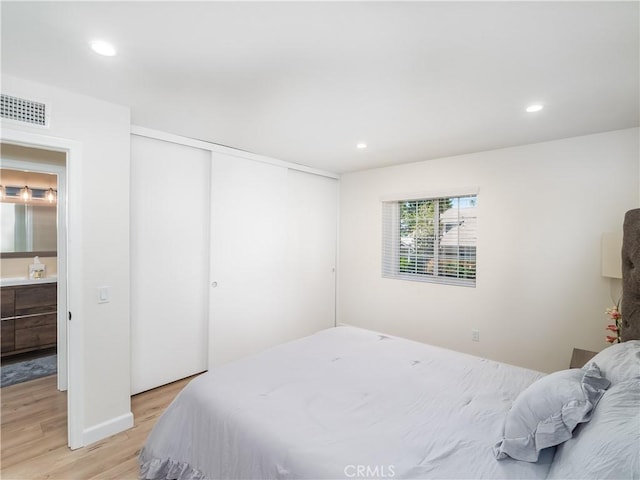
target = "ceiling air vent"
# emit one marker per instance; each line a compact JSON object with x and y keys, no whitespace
{"x":23,"y":110}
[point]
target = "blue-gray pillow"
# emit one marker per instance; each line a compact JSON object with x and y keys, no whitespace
{"x":619,"y":362}
{"x":545,"y":414}
{"x":608,"y":445}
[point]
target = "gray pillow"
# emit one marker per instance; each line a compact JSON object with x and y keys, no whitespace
{"x":608,"y":446}
{"x":545,"y":414}
{"x":619,"y":362}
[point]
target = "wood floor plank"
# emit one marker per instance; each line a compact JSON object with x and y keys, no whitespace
{"x":33,"y":435}
{"x":20,"y":437}
{"x":34,"y":388}
{"x":124,"y":471}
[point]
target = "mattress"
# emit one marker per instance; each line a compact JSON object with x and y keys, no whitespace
{"x":343,"y":403}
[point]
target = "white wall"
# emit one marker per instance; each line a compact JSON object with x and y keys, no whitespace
{"x":541,"y":211}
{"x":99,"y":253}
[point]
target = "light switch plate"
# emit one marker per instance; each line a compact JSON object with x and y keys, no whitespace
{"x":104,"y":295}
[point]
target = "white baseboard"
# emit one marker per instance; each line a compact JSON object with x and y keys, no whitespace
{"x":108,"y":428}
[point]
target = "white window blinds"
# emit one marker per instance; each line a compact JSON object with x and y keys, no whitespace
{"x":430,"y":240}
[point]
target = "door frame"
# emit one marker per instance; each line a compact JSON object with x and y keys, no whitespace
{"x":69,"y":266}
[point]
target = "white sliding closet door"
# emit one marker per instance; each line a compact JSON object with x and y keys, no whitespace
{"x":273,"y":244}
{"x":248,"y":304}
{"x":312,"y":206}
{"x":169,"y":261}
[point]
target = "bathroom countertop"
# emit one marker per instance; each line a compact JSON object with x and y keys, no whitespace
{"x":12,"y":282}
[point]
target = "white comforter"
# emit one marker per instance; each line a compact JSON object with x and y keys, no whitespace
{"x":343,"y":403}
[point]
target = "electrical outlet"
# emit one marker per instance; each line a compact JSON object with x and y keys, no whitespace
{"x":475,"y":335}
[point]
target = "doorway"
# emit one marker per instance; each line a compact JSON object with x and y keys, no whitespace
{"x":33,"y":254}
{"x":47,"y":155}
{"x":29,"y":267}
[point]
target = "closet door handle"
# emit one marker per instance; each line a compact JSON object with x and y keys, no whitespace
{"x":214,"y":284}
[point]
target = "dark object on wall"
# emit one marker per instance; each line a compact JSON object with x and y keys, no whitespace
{"x":630,"y":307}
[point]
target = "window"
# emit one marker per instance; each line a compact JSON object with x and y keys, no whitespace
{"x":430,"y":240}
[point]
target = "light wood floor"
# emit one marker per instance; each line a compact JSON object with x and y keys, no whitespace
{"x":34,"y":435}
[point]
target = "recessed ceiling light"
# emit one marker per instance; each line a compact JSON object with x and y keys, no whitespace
{"x":361,"y":145}
{"x":536,"y":107}
{"x":103,"y":48}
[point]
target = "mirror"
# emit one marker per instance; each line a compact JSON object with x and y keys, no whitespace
{"x":28,"y":228}
{"x":29,"y":223}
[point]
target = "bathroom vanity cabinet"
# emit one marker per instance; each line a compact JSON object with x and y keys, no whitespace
{"x":29,"y":317}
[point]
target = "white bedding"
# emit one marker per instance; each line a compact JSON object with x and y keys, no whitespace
{"x":343,"y":403}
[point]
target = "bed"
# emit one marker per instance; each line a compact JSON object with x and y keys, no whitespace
{"x":349,"y":403}
{"x":354,"y":404}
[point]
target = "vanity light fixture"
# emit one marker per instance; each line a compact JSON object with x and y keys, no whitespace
{"x":103,"y":48}
{"x":51,"y":195}
{"x":25,"y":194}
{"x":361,"y":146}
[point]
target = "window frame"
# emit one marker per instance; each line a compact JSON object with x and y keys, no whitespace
{"x":391,"y":241}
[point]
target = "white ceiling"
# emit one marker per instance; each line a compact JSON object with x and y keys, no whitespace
{"x":305,"y":82}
